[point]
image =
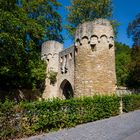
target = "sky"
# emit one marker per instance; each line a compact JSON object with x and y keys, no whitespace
{"x":124,"y":11}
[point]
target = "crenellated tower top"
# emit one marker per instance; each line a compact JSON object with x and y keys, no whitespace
{"x":93,"y":31}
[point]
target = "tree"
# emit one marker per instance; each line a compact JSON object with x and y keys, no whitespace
{"x":134,"y":32}
{"x":123,"y":60}
{"x":44,"y":12}
{"x":134,"y":78}
{"x":87,"y":10}
{"x":24,"y":25}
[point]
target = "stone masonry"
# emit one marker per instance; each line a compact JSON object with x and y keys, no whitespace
{"x":85,"y":69}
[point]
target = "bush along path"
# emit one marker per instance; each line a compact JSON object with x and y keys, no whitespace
{"x":26,"y":119}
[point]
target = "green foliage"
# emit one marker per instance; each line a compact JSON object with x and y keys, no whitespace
{"x":131,"y":102}
{"x":23,"y":27}
{"x":7,"y":115}
{"x":134,"y":32}
{"x":52,"y":75}
{"x":123,"y":60}
{"x":44,"y":116}
{"x":134,"y":78}
{"x":87,"y":10}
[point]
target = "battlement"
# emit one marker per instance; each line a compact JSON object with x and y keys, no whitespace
{"x":50,"y":49}
{"x":65,"y":59}
{"x":101,"y":21}
{"x":94,"y":32}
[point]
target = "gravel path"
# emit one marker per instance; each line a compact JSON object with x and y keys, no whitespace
{"x":122,"y":127}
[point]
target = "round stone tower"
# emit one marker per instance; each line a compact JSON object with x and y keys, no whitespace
{"x":94,"y":59}
{"x":50,"y":53}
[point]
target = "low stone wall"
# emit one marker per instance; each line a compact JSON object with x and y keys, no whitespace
{"x":125,"y":90}
{"x":18,"y":95}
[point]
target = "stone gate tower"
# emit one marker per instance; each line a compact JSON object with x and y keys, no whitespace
{"x":85,"y":69}
{"x":50,"y":53}
{"x":95,"y":58}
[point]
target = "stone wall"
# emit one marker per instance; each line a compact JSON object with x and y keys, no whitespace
{"x":126,"y":91}
{"x":18,"y":95}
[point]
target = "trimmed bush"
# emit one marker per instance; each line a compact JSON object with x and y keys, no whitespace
{"x":131,"y":102}
{"x":25,"y":119}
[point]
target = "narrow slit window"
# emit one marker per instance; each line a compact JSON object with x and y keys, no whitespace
{"x":61,"y":59}
{"x":76,"y":51}
{"x":70,"y":56}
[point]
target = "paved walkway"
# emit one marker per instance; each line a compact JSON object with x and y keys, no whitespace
{"x":122,"y":127}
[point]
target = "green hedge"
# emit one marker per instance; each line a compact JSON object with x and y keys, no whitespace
{"x":131,"y":102}
{"x":25,"y":119}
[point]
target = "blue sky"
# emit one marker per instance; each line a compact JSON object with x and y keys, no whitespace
{"x":124,"y":11}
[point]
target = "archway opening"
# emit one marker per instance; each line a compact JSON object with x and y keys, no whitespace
{"x":66,"y":89}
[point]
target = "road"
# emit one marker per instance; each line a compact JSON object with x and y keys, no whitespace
{"x":122,"y":127}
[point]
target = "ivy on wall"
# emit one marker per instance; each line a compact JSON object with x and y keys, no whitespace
{"x":52,"y":75}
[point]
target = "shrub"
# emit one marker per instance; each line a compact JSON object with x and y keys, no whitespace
{"x":44,"y":116}
{"x":131,"y":102}
{"x":7,"y":120}
{"x":52,"y":76}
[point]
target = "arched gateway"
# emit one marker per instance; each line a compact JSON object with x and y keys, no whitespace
{"x":66,"y":89}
